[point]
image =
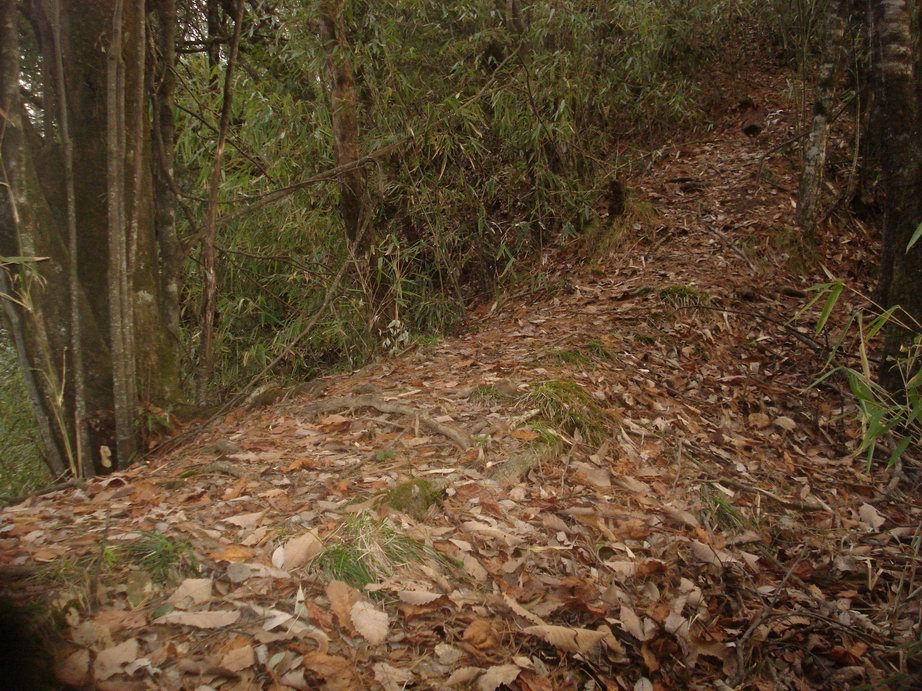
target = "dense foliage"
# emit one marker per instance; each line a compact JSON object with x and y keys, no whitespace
{"x":510,"y":129}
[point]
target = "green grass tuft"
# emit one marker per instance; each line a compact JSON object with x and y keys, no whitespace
{"x":684,"y":296}
{"x":367,"y":550}
{"x":567,"y":406}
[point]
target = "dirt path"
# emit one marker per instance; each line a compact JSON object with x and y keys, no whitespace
{"x":617,"y":480}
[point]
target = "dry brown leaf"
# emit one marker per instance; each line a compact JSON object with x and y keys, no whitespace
{"x":192,"y":591}
{"x":298,"y":551}
{"x":463,"y":675}
{"x":480,"y":634}
{"x":201,"y":620}
{"x":111,"y":661}
{"x":496,"y":676}
{"x":417,"y":597}
{"x":342,"y":596}
{"x":239,"y":658}
{"x":571,"y":640}
{"x":370,"y":622}
{"x":392,"y":678}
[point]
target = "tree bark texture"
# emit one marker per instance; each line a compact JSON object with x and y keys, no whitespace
{"x":87,"y":167}
{"x":901,"y":156}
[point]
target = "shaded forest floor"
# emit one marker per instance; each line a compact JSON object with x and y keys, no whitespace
{"x":619,"y":479}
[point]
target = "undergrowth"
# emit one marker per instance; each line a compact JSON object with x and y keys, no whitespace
{"x":367,"y":550}
{"x":569,"y":407}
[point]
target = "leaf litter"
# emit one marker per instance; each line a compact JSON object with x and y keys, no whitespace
{"x":659,"y":504}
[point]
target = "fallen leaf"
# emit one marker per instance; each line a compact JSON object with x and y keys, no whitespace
{"x":342,"y":596}
{"x":201,"y":620}
{"x":392,"y":678}
{"x":496,"y":676}
{"x":192,"y":591}
{"x":110,"y":661}
{"x":370,"y":622}
{"x":298,"y":551}
{"x":571,"y":640}
{"x":239,"y":659}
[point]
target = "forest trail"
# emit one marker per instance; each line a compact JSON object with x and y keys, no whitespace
{"x":619,"y":477}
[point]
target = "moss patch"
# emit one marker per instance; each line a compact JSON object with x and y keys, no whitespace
{"x":414,"y":497}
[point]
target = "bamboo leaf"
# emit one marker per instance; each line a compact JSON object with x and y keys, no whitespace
{"x":915,"y":238}
{"x":898,"y":451}
{"x":834,"y":294}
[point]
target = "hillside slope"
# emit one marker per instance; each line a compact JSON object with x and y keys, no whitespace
{"x":618,"y":479}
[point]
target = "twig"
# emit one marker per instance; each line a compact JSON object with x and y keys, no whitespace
{"x":9,"y":500}
{"x":741,"y":656}
{"x":461,"y":439}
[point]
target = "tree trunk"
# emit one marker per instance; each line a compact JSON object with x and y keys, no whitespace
{"x":167,"y":245}
{"x":813,"y":177}
{"x":898,"y":120}
{"x":100,"y":114}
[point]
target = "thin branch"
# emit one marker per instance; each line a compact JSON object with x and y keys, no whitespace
{"x":210,"y":225}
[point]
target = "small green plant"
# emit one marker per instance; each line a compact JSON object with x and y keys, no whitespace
{"x":716,"y":504}
{"x":570,"y":357}
{"x":547,"y":437}
{"x":163,"y":557}
{"x":367,"y":549}
{"x":414,"y":497}
{"x":599,"y":349}
{"x":684,"y":296}
{"x":384,"y":455}
{"x":885,"y":415}
{"x":566,"y":405}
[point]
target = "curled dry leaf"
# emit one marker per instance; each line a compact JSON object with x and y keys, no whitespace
{"x":370,"y":622}
{"x":298,"y":551}
{"x":581,"y":641}
{"x":480,"y":634}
